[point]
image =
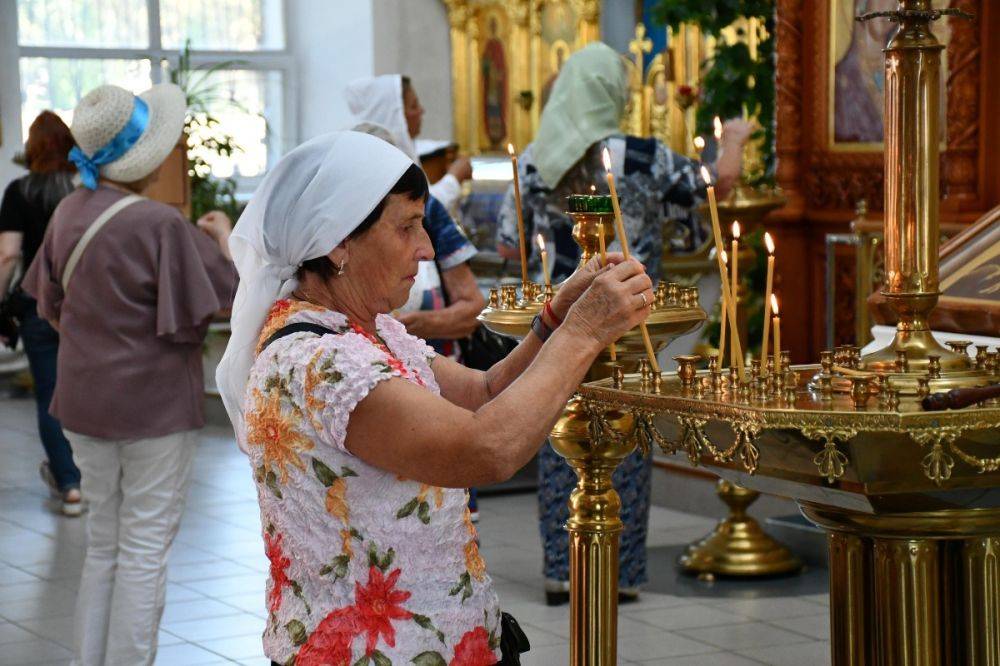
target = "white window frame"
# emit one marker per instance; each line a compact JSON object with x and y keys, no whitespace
{"x":281,"y":60}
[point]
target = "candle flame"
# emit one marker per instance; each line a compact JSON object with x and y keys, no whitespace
{"x":769,"y":242}
{"x":774,"y":304}
{"x":541,"y":242}
{"x":510,"y":149}
{"x":699,"y":144}
{"x":593,"y":189}
{"x":725,"y":257}
{"x":736,"y":230}
{"x":606,"y":156}
{"x":705,"y":175}
{"x":717,"y":123}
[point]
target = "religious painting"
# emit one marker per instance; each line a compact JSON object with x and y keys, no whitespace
{"x":494,"y":80}
{"x":503,"y":54}
{"x":857,"y":76}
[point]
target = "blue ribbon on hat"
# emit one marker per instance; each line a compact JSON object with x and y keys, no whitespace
{"x":89,"y":166}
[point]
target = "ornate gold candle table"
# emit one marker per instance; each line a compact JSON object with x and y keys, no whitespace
{"x":595,"y":447}
{"x":910,"y":499}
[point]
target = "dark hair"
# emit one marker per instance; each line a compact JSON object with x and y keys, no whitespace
{"x":48,"y":145}
{"x":413,"y":184}
{"x":406,"y":83}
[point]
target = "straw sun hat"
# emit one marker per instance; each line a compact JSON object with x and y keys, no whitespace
{"x":104,"y":113}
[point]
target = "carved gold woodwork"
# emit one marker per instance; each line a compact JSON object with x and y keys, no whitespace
{"x":533,"y":38}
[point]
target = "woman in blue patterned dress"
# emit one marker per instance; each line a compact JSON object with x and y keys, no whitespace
{"x":582,"y":117}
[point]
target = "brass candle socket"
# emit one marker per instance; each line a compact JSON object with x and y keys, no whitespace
{"x":902,"y":363}
{"x":689,"y":297}
{"x":960,"y":346}
{"x":734,"y":379}
{"x":786,"y":360}
{"x":826,"y":387}
{"x":673,"y":293}
{"x":860,"y":392}
{"x":923,"y":387}
{"x":617,"y":375}
{"x":934,"y":366}
{"x":982,"y":353}
{"x":826,"y":361}
{"x":660,"y":296}
{"x":686,"y":370}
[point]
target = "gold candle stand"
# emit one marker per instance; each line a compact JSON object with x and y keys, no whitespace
{"x":910,"y":499}
{"x":594,"y":447}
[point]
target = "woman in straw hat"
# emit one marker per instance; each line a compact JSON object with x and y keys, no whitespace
{"x":361,"y":438}
{"x":131,"y":286}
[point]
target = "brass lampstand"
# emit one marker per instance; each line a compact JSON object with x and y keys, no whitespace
{"x":594,"y":447}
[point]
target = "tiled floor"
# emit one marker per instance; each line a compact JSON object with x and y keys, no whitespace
{"x":215,"y":605}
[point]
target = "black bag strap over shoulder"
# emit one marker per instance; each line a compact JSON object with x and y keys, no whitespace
{"x":300,"y":327}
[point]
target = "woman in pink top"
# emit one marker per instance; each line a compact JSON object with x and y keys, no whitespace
{"x":132,"y":300}
{"x":361,"y":439}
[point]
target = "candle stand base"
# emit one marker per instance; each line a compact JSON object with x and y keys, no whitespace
{"x":738,"y":546}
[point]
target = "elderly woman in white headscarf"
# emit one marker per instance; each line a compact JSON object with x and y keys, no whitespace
{"x":360,"y":438}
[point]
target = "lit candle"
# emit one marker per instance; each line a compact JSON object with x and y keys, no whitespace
{"x":769,"y":242}
{"x":777,"y":330}
{"x":717,"y":128}
{"x":545,"y":260}
{"x":623,"y":239}
{"x":719,"y":249}
{"x":699,"y":145}
{"x":520,"y":221}
{"x":604,"y":262}
{"x":734,"y":287}
{"x":724,"y":321}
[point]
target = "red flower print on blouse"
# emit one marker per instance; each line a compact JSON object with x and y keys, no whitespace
{"x":473,"y":649}
{"x":279,"y":564}
{"x":378,"y":604}
{"x":330,"y":643}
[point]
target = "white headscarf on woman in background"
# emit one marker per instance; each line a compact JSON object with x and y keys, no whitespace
{"x":379,"y":100}
{"x":306,"y":205}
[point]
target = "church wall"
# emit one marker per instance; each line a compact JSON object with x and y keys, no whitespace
{"x":412,"y":38}
{"x":333,"y":44}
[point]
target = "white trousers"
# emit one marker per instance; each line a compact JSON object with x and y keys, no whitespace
{"x":136,"y":490}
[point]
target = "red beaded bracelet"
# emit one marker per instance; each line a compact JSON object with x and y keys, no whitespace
{"x":550,"y":312}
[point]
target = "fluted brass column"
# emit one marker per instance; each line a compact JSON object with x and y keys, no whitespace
{"x":850,"y":625}
{"x":980,"y":562}
{"x":908,"y":602}
{"x":594,"y":527}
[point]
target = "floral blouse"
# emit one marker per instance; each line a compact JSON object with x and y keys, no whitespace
{"x":655,"y":185}
{"x":366,"y":567}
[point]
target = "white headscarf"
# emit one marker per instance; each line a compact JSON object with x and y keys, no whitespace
{"x":306,"y":205}
{"x":379,"y":100}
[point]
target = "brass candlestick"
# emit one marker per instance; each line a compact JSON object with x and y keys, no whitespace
{"x":912,"y":224}
{"x":595,"y":447}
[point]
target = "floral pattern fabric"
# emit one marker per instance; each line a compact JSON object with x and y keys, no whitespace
{"x":655,"y":186}
{"x":366,"y":567}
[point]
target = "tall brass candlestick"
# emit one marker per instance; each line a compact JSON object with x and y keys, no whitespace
{"x":734,"y":288}
{"x":769,"y":242}
{"x":623,"y":239}
{"x":520,"y":222}
{"x":727,"y":300}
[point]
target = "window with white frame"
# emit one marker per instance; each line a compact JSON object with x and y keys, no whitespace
{"x":240,"y":64}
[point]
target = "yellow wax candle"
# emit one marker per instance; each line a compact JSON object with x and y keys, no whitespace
{"x":520,"y":219}
{"x":545,"y":260}
{"x":724,"y":321}
{"x":777,"y":331}
{"x":769,"y":242}
{"x":623,"y":239}
{"x":734,"y":287}
{"x":604,"y":262}
{"x":699,"y":145}
{"x":723,"y":278}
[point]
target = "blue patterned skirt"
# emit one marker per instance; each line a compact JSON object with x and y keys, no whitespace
{"x":556,"y":480}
